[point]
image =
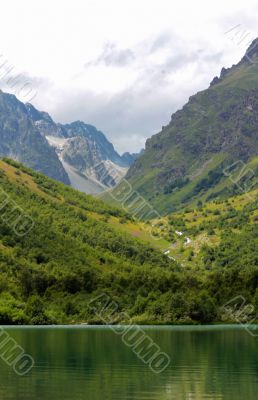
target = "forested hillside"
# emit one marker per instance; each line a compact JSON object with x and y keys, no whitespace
{"x":78,"y":247}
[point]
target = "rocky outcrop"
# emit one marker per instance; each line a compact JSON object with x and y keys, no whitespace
{"x":21,"y":139}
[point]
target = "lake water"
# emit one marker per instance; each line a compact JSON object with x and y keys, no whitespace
{"x":93,"y":363}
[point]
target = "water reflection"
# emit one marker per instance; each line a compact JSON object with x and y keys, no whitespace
{"x":93,"y":363}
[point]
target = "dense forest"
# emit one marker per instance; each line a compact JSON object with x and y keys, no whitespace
{"x":78,"y":248}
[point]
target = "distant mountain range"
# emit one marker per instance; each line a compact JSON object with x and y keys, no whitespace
{"x":214,"y":133}
{"x":76,"y":154}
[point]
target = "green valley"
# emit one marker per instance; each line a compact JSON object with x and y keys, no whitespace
{"x":79,"y":248}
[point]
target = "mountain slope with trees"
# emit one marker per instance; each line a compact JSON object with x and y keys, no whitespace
{"x":79,"y":248}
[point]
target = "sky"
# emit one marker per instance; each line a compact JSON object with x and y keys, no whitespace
{"x":123,"y":66}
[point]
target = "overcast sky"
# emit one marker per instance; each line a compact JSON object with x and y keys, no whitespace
{"x":123,"y":66}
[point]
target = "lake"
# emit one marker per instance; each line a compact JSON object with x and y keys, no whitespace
{"x":94,"y":363}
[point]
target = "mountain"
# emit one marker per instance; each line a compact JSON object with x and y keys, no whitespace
{"x":129,"y":158}
{"x":76,"y":154}
{"x":62,"y":251}
{"x":214,"y":133}
{"x":21,"y":140}
{"x":89,"y":159}
{"x":88,"y":150}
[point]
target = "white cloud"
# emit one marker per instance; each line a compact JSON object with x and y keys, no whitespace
{"x":123,"y":66}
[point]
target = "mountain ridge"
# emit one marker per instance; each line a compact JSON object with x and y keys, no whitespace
{"x":213,"y":130}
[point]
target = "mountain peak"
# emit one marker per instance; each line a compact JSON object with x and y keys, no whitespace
{"x":251,"y":56}
{"x":37,"y":115}
{"x":252,"y":52}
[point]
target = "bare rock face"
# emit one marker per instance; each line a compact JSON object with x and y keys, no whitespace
{"x":89,"y":154}
{"x":84,"y":149}
{"x":21,"y":140}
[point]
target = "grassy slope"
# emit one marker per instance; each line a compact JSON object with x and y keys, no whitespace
{"x":208,"y":224}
